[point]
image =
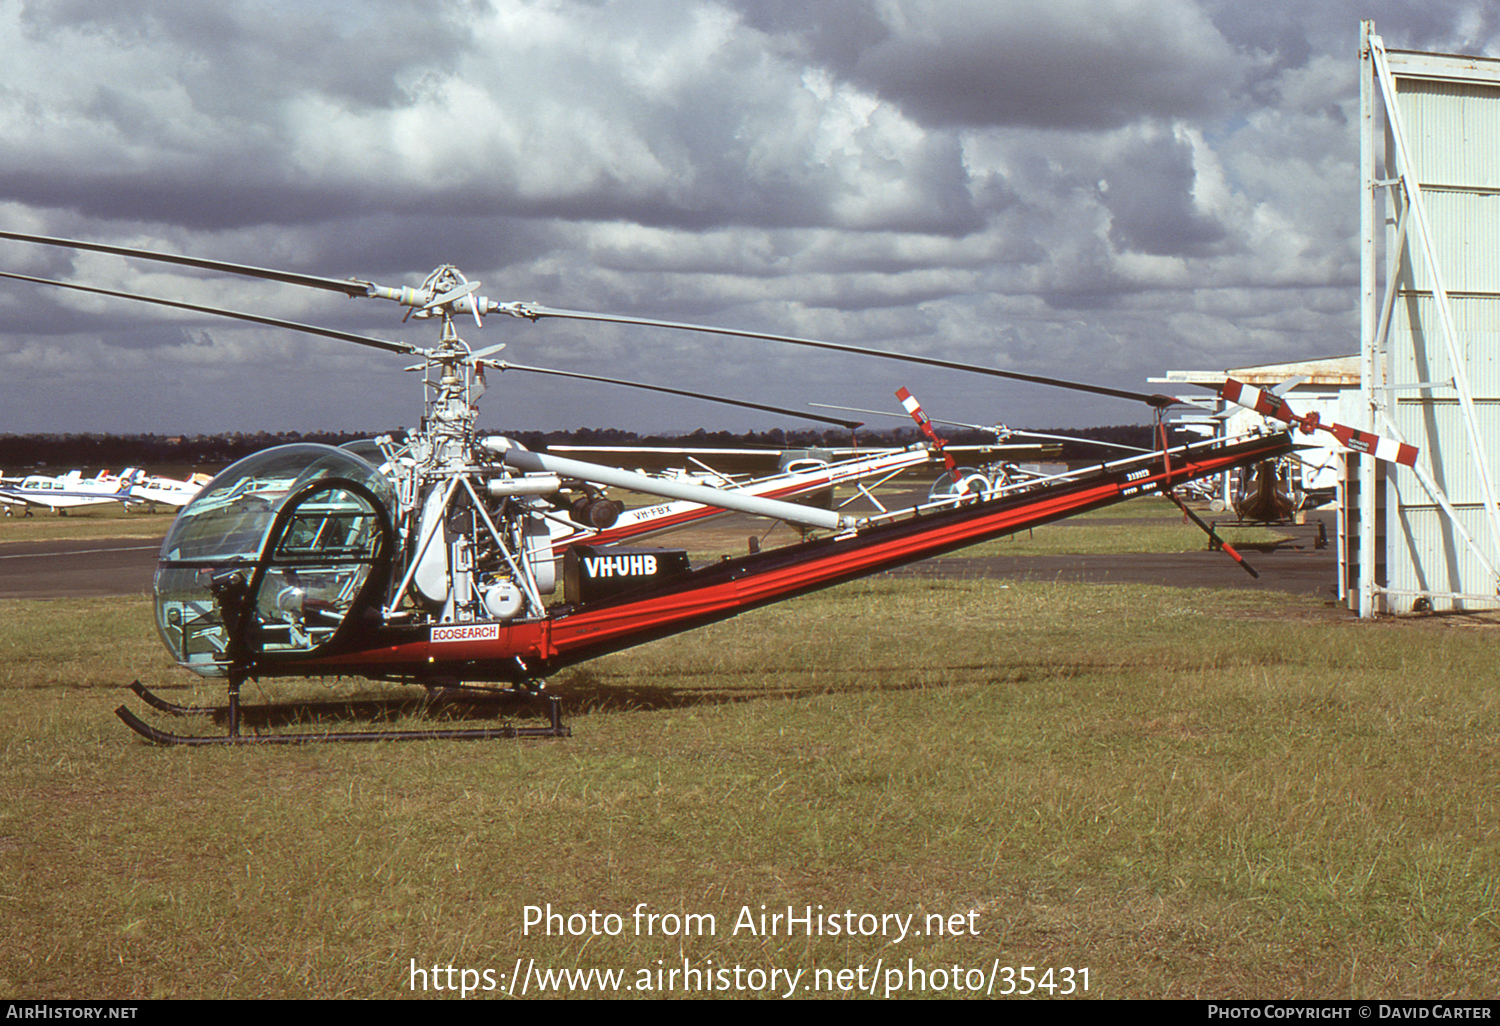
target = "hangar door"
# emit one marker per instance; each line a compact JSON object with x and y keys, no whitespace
{"x":1429,"y":537}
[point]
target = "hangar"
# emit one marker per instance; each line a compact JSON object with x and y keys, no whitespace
{"x":1428,"y":368}
{"x":1428,"y":537}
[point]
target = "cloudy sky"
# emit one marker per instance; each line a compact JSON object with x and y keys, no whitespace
{"x":1094,"y":189}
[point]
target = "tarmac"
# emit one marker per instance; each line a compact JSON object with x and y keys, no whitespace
{"x":1296,"y":566}
{"x":77,"y":569}
{"x":104,"y":567}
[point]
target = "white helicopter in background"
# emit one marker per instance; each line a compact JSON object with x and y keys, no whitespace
{"x":806,"y":475}
{"x":998,"y":473}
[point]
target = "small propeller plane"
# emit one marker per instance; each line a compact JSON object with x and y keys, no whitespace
{"x":69,"y":491}
{"x":438,"y":566}
{"x":169,"y":491}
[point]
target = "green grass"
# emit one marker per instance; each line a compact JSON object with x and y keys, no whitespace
{"x":1141,"y":525}
{"x":1193,"y":794}
{"x":94,"y":522}
{"x":1065,"y":538}
{"x":1137,"y":526}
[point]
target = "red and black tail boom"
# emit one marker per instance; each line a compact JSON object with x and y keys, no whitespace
{"x":570,"y":635}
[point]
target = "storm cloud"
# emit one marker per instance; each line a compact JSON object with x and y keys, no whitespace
{"x":1094,"y":189}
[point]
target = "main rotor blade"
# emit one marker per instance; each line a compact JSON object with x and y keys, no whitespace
{"x":999,"y":430}
{"x":275,"y":322}
{"x":357,"y":289}
{"x":532,"y":312}
{"x":994,"y":429}
{"x":504,"y":366}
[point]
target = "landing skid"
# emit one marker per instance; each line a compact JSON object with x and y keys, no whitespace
{"x":235,"y":714}
{"x":155,"y":701}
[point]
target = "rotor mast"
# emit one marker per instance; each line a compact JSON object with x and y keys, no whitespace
{"x":453,"y":393}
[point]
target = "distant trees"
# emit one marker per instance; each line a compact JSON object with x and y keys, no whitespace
{"x":209,"y":452}
{"x":98,"y":452}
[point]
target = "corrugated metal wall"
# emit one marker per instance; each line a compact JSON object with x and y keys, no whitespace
{"x":1453,"y":137}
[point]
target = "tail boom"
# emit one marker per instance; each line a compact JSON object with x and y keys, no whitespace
{"x":536,"y":648}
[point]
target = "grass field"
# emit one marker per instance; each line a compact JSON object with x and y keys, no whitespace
{"x":93,"y":522}
{"x":1187,"y":793}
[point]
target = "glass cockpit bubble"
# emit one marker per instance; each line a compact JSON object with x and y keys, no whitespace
{"x":307,"y":577}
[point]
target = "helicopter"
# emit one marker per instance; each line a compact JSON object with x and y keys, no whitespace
{"x":997,"y":473}
{"x":436,"y":559}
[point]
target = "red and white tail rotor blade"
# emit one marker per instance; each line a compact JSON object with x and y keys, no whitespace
{"x":1380,"y":447}
{"x":914,"y":408}
{"x":1269,"y":404}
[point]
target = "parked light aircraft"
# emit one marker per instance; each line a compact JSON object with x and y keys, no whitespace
{"x":168,"y":491}
{"x":67,"y":491}
{"x":72,"y":490}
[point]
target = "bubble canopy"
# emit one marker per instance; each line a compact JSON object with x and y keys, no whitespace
{"x":272,"y":557}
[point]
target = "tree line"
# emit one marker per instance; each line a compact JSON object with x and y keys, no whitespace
{"x":103,"y":451}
